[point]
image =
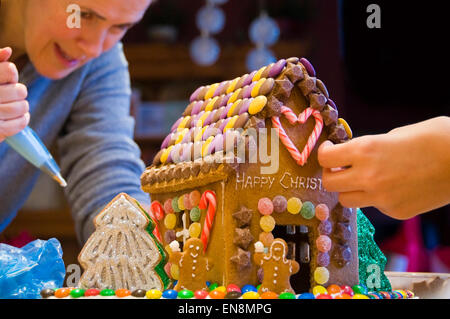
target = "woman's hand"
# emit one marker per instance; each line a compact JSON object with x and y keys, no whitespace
{"x":402,"y":173}
{"x":14,"y":115}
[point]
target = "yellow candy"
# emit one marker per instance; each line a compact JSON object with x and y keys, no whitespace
{"x":257,"y":75}
{"x":210,"y":105}
{"x":231,"y":110}
{"x":267,"y":223}
{"x":205,"y":145}
{"x":200,"y":132}
{"x":183,"y":123}
{"x":257,"y":104}
{"x":175,"y":271}
{"x":250,"y":295}
{"x":347,"y":128}
{"x":232,"y":85}
{"x":294,"y":205}
{"x":181,"y":135}
{"x":153,"y":294}
{"x":321,"y":275}
{"x":231,"y":123}
{"x":234,"y":97}
{"x":359,"y":296}
{"x":181,"y":202}
{"x":170,"y":221}
{"x":211,"y":91}
{"x":195,"y":230}
{"x":317,"y":290}
{"x":202,"y":119}
{"x":165,"y":154}
{"x":256,"y":88}
{"x":221,"y":288}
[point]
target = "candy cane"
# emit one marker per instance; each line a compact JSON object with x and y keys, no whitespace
{"x":208,"y":200}
{"x":302,"y":157}
{"x":156,"y":213}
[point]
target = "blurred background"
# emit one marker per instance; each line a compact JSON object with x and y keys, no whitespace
{"x":380,"y":78}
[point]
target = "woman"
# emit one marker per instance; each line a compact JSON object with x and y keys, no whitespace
{"x":71,"y":85}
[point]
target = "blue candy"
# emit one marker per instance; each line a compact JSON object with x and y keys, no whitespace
{"x":306,"y":295}
{"x":170,"y":294}
{"x":248,"y":288}
{"x":25,"y":271}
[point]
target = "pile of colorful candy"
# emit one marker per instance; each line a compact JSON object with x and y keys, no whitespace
{"x":232,"y":292}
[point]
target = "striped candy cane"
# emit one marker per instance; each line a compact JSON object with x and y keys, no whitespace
{"x":208,"y":200}
{"x":156,"y":213}
{"x":300,"y":158}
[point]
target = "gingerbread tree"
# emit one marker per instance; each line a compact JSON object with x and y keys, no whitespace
{"x":122,"y":252}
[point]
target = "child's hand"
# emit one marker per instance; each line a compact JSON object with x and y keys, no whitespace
{"x":14,"y":116}
{"x":402,"y":173}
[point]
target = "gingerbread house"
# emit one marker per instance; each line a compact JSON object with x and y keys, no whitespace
{"x":221,"y":176}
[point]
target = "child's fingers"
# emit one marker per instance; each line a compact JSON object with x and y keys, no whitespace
{"x":355,"y":199}
{"x":340,"y":181}
{"x":5,"y":54}
{"x":331,"y":156}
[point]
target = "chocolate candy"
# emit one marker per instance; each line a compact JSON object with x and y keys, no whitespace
{"x":46,"y":293}
{"x":242,"y":237}
{"x":169,"y":236}
{"x":138,"y":293}
{"x":195,"y":95}
{"x":317,"y":101}
{"x":241,"y":121}
{"x":330,"y":116}
{"x":233,"y":295}
{"x":321,"y":86}
{"x":307,"y":86}
{"x":294,"y":73}
{"x":282,"y":89}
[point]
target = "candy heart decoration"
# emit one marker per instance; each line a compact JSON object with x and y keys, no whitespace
{"x":300,"y":158}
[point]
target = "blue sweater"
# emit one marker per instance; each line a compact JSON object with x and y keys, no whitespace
{"x":86,"y":115}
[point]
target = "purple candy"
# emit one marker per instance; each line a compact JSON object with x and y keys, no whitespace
{"x":279,"y":203}
{"x":225,"y":112}
{"x":166,"y":141}
{"x":196,"y":107}
{"x":208,"y":132}
{"x":277,"y":68}
{"x":325,"y":228}
{"x":308,"y":66}
{"x":186,"y":152}
{"x":194,"y":95}
{"x":245,"y":105}
{"x":175,"y":125}
{"x":323,"y":259}
{"x":224,"y":101}
{"x":248,"y":79}
{"x":187,"y":136}
{"x":218,"y":143}
{"x":224,"y":123}
{"x":332,"y":104}
{"x":209,"y":118}
{"x":219,"y":89}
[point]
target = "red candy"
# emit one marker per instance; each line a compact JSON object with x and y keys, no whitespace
{"x":157,"y":210}
{"x":233,"y":287}
{"x":322,"y":212}
{"x":201,"y":294}
{"x":323,"y":243}
{"x":265,"y":206}
{"x":324,"y":296}
{"x":194,"y":197}
{"x":347,"y":290}
{"x":91,"y":292}
{"x":168,"y":209}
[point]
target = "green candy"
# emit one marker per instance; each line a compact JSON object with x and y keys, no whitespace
{"x":358,"y":289}
{"x":286,"y":295}
{"x":185,"y":294}
{"x":213,"y":286}
{"x":77,"y":293}
{"x":195,"y":214}
{"x":308,"y":211}
{"x":107,"y":292}
{"x":175,"y":205}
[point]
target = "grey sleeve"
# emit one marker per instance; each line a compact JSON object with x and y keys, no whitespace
{"x":99,"y":158}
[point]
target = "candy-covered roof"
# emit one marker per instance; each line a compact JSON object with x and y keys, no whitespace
{"x":216,"y":111}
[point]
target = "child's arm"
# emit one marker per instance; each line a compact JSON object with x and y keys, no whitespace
{"x":402,"y":173}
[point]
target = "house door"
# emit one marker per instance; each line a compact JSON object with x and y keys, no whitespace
{"x":297,"y":240}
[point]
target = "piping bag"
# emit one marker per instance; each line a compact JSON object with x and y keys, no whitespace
{"x":30,"y":146}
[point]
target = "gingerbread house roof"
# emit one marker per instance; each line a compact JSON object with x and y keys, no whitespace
{"x":217,"y":111}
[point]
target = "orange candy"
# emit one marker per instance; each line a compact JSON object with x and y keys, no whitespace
{"x":334,"y":289}
{"x":122,"y":293}
{"x":266,"y":238}
{"x":217,"y":294}
{"x":343,"y":296}
{"x":269,"y":295}
{"x":62,"y":292}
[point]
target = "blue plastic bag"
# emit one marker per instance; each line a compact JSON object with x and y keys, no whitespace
{"x":25,"y":271}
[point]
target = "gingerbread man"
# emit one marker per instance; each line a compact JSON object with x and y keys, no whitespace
{"x":277,"y":269}
{"x":193,"y":264}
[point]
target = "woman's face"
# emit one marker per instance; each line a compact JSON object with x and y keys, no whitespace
{"x":57,"y":50}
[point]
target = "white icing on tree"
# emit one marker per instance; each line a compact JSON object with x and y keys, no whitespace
{"x":120,"y":253}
